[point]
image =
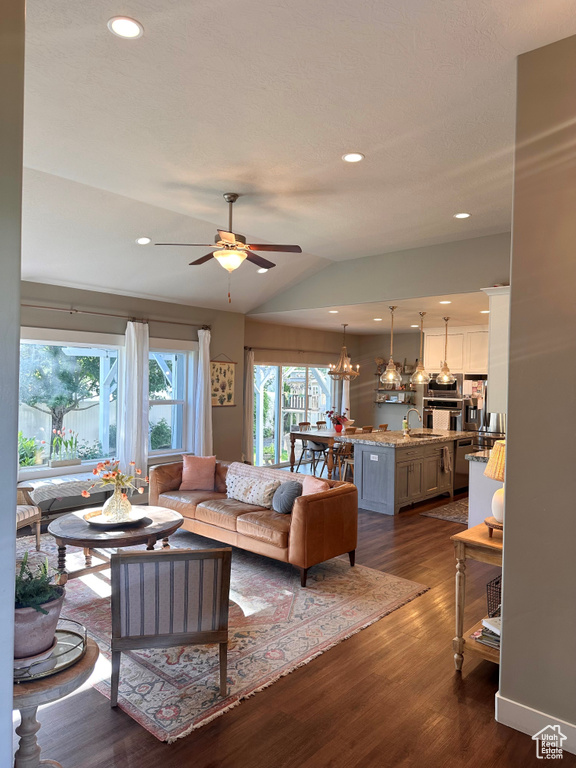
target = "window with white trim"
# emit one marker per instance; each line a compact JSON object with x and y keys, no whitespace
{"x":168,"y":401}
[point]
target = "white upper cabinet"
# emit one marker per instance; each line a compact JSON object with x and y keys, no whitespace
{"x":467,"y":350}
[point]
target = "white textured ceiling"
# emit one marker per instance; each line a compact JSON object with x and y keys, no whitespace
{"x":263,"y":98}
{"x":465,"y":309}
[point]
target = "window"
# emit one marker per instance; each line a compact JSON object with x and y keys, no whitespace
{"x":168,"y":377}
{"x":283,"y":397}
{"x":68,"y":402}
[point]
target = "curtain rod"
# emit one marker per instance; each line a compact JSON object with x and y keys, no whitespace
{"x":299,"y":351}
{"x":72,"y":311}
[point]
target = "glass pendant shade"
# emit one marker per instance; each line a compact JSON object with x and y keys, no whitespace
{"x":446,"y":376}
{"x":391,"y":375}
{"x":230,"y":259}
{"x":420,"y":375}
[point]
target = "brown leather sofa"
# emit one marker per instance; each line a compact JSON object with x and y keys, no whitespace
{"x":321,"y":526}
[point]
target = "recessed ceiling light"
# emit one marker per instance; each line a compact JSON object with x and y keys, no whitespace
{"x":143,"y":241}
{"x":461,"y":215}
{"x":353,"y":157}
{"x":378,"y":319}
{"x":333,"y":311}
{"x":414,"y":326}
{"x":445,"y":302}
{"x":262,"y":271}
{"x":484,"y":311}
{"x":123,"y":26}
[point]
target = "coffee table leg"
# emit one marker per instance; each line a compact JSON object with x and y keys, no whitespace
{"x":88,"y":557}
{"x":165,"y":543}
{"x":62,"y":575}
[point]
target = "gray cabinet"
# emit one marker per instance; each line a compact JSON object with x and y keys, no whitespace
{"x":391,"y":478}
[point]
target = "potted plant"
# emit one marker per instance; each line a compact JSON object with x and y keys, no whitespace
{"x":37,"y":609}
{"x":64,"y":448}
{"x":338,"y":419}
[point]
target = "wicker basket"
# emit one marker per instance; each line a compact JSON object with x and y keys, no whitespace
{"x":494,"y":596}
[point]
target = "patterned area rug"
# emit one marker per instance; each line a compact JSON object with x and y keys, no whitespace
{"x":455,"y":512}
{"x":275,"y":627}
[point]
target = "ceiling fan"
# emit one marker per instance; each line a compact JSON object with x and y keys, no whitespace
{"x":231,"y":249}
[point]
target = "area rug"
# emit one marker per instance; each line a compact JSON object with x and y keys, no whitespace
{"x":455,"y":512}
{"x":275,"y":627}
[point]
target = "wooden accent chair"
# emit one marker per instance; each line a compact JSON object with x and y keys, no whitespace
{"x":169,"y":597}
{"x":27,"y":513}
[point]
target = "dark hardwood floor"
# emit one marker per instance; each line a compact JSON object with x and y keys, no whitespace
{"x":387,"y":697}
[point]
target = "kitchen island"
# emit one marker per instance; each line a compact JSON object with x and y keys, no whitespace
{"x":392,"y":471}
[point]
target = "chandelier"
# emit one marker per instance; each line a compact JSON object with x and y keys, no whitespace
{"x":343,"y":369}
{"x":420,"y":375}
{"x":446,"y":376}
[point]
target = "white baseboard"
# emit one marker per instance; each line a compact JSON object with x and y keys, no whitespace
{"x":531,"y":721}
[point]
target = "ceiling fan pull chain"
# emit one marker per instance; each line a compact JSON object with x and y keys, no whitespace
{"x":229,"y":281}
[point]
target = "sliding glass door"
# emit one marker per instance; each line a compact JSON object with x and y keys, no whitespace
{"x":284,"y":396}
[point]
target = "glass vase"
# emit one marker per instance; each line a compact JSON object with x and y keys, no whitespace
{"x":117,"y":508}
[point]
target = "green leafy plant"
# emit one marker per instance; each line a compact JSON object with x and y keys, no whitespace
{"x":26,"y":450}
{"x":87,"y":451}
{"x":160,"y":435}
{"x":33,"y":587}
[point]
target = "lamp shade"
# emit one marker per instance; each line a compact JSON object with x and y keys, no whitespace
{"x":230,"y":259}
{"x":497,"y":462}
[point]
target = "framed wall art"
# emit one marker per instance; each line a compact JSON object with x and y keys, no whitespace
{"x":223,"y":383}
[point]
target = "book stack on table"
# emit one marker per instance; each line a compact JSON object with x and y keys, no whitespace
{"x":489,"y":634}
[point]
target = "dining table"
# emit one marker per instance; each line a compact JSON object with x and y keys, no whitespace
{"x":327,"y":437}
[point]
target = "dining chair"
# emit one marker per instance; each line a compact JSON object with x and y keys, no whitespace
{"x":165,"y":598}
{"x":383,"y":427}
{"x":350,"y":430}
{"x":28,"y":513}
{"x":367,"y":430}
{"x":321,"y":424}
{"x":317,"y":451}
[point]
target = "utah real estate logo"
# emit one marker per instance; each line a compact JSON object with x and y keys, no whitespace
{"x":549,"y":743}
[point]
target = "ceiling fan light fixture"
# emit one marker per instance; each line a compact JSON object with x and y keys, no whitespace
{"x":230,"y":259}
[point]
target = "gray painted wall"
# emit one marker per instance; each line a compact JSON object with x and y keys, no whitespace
{"x":227,"y":337}
{"x":538,"y":663}
{"x":12,"y":90}
{"x":458,"y":267}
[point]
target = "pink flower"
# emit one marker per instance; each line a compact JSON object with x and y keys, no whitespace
{"x":94,"y":471}
{"x":85,"y":494}
{"x":42,"y":442}
{"x":138,"y":471}
{"x":146,"y":479}
{"x":53,"y":431}
{"x":140,"y":490}
{"x":124,"y":496}
{"x":132,"y":463}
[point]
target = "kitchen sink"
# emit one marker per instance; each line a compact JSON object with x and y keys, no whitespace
{"x":423,"y":437}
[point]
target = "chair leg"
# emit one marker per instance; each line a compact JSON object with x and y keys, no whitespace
{"x":114,"y":678}
{"x":223,"y":668}
{"x":38,"y":533}
{"x":303,"y":576}
{"x":352,"y":556}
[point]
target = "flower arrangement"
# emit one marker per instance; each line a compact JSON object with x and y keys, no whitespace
{"x":64,"y":444}
{"x":337,"y":418}
{"x":108,"y":473}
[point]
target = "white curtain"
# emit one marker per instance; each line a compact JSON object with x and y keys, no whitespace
{"x":202,"y":398}
{"x":248,"y":434}
{"x":133,"y":405}
{"x":345,"y":396}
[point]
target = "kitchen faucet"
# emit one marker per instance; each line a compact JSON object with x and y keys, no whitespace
{"x":408,"y":417}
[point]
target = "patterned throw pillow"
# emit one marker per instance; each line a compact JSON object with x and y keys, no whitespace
{"x":251,"y":490}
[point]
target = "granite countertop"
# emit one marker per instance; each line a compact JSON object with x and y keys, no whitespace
{"x":397,"y":439}
{"x":482,"y":456}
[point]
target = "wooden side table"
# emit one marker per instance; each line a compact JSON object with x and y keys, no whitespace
{"x":475,"y":544}
{"x":29,"y":696}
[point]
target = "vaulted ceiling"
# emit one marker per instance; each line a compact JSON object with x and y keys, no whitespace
{"x":125,"y":138}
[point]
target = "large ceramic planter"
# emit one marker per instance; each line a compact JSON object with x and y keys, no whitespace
{"x":33,"y":630}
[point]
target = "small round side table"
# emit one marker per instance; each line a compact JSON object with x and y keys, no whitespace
{"x":29,"y":696}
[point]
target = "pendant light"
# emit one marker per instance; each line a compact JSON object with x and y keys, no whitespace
{"x":420,"y":375}
{"x":446,"y":376}
{"x":343,"y":369}
{"x":391,"y":375}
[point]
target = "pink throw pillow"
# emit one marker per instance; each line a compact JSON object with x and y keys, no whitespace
{"x":198,"y":473}
{"x":313,"y":485}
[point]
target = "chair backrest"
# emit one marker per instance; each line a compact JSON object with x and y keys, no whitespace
{"x":384,"y":427}
{"x":321,"y":424}
{"x":350,"y":431}
{"x":367,"y":430}
{"x":304,"y":426}
{"x":163,"y":595}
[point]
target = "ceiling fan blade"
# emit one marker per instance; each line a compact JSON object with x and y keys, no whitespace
{"x":274,"y":247}
{"x":259,"y":261}
{"x":200,"y":245}
{"x":201,"y":260}
{"x":227,"y":237}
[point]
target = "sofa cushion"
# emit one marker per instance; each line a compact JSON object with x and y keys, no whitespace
{"x":314,"y":485}
{"x":185,"y":502}
{"x":265,"y":525}
{"x":198,"y":473}
{"x":251,"y":489}
{"x":223,"y":512}
{"x":285,"y":496}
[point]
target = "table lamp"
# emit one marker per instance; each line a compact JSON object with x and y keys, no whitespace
{"x":495,"y":469}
